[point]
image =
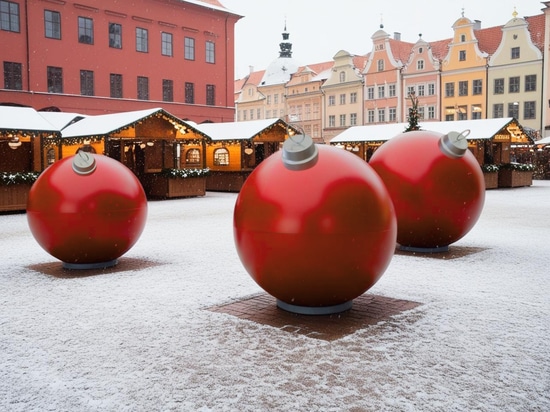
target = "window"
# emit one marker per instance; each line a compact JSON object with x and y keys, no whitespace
{"x":462,"y":38}
{"x":268,"y":99}
{"x":514,"y":53}
{"x":380,"y":65}
{"x":513,"y":110}
{"x":342,"y":120}
{"x":381,"y":115}
{"x":258,"y":113}
{"x":142,"y":42}
{"x":115,"y":35}
{"x":370,"y":93}
{"x":529,"y":110}
{"x":193,"y":157}
{"x":251,"y":114}
{"x":85,"y":30}
{"x":342,"y":98}
{"x":476,"y":111}
{"x":276,"y":98}
{"x":221,"y":157}
{"x":9,"y":16}
{"x":210,"y":52}
{"x":462,"y":55}
{"x":331,"y":121}
{"x":531,"y":83}
{"x":370,"y":116}
{"x":55,"y":79}
{"x":421,"y":112}
{"x":498,"y":87}
{"x":420,"y":65}
{"x":143,"y":88}
{"x":189,"y":52}
{"x":342,"y":77}
{"x":431,"y":112}
{"x":449,"y":89}
{"x":449,"y":113}
{"x":462,"y":112}
{"x":167,"y":90}
{"x":513,"y":87}
{"x":189,"y":93}
{"x":463,"y":88}
{"x":477,"y":87}
{"x":86,"y":82}
{"x":353,"y":97}
{"x":13,"y":76}
{"x":421,"y":89}
{"x":381,"y":92}
{"x":116,"y":85}
{"x":392,"y":114}
{"x":166,"y":44}
{"x":391,"y":90}
{"x":52,"y":24}
{"x":50,"y":157}
{"x":211,"y":95}
{"x":498,"y":111}
{"x":353,"y":119}
{"x":331,"y":100}
{"x":431,"y":89}
{"x":411,"y":90}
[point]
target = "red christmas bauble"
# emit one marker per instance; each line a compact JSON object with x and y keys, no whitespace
{"x":87,"y":210}
{"x":314,"y":234}
{"x":436,"y":185}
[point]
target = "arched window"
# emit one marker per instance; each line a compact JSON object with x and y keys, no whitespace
{"x":221,"y":157}
{"x":193,"y":157}
{"x":342,"y":77}
{"x":50,"y":157}
{"x":462,"y":38}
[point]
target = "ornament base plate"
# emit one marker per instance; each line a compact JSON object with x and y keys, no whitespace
{"x":315,"y":310}
{"x":414,"y":249}
{"x":84,"y":266}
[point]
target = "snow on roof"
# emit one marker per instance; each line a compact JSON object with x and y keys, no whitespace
{"x":546,"y":140}
{"x":25,"y":119}
{"x":104,"y":124}
{"x":479,"y":129}
{"x":237,"y":130}
{"x":60,"y":120}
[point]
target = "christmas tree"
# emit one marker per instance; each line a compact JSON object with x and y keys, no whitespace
{"x":413,"y":114}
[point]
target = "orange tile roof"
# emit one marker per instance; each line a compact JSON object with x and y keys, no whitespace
{"x":537,"y":29}
{"x":489,"y":39}
{"x":440,"y":48}
{"x":401,"y":50}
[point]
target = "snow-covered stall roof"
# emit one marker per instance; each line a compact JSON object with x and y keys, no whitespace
{"x":62,"y":119}
{"x":24,"y":120}
{"x":479,"y":129}
{"x":105,"y":124}
{"x":240,"y":130}
{"x":546,"y":140}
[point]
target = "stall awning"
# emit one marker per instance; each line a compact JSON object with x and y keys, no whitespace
{"x":240,"y":130}
{"x":24,"y":120}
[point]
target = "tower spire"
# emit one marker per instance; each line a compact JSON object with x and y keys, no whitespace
{"x":285,"y":46}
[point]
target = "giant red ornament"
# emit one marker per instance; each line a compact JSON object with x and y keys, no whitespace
{"x":87,"y":210}
{"x":436,"y":185}
{"x":314,"y":227}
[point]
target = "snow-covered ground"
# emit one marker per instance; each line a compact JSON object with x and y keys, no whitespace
{"x":142,"y":339}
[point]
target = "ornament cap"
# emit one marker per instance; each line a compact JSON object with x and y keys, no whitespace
{"x":83,"y":163}
{"x":454,"y":144}
{"x":299,"y":152}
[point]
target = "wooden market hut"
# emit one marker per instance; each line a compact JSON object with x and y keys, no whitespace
{"x":164,"y":152}
{"x":494,"y":142}
{"x":236,"y":148}
{"x":22,"y":131}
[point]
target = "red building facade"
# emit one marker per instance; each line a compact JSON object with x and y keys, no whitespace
{"x":96,"y":57}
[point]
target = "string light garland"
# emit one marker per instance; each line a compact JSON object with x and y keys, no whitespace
{"x":14,"y":178}
{"x":184,"y":173}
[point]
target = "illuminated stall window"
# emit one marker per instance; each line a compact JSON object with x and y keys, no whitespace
{"x":221,"y":157}
{"x":193,"y":157}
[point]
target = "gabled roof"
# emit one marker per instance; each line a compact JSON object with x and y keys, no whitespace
{"x":105,"y":124}
{"x":479,"y":129}
{"x":401,"y":50}
{"x":25,"y":120}
{"x":62,"y":119}
{"x":240,"y":130}
{"x":489,"y":39}
{"x":537,"y":28}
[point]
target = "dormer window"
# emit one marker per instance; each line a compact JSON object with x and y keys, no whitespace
{"x":420,"y":50}
{"x":342,"y":77}
{"x":462,"y":55}
{"x":462,"y":38}
{"x":515,"y":53}
{"x":381,"y":65}
{"x":420,"y":65}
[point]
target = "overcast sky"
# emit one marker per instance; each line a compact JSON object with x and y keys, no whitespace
{"x":317,"y":33}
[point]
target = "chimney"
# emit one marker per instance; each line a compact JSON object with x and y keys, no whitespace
{"x":477,"y":24}
{"x":396,"y":35}
{"x":251,"y":69}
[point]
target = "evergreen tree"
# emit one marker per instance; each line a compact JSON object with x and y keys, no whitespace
{"x":413,"y":114}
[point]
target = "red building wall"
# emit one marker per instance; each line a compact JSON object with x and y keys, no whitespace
{"x":35,"y":52}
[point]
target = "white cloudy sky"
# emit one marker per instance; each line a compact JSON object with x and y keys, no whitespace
{"x":318,"y":32}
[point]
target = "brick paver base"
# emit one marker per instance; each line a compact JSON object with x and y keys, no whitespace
{"x":367,"y":310}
